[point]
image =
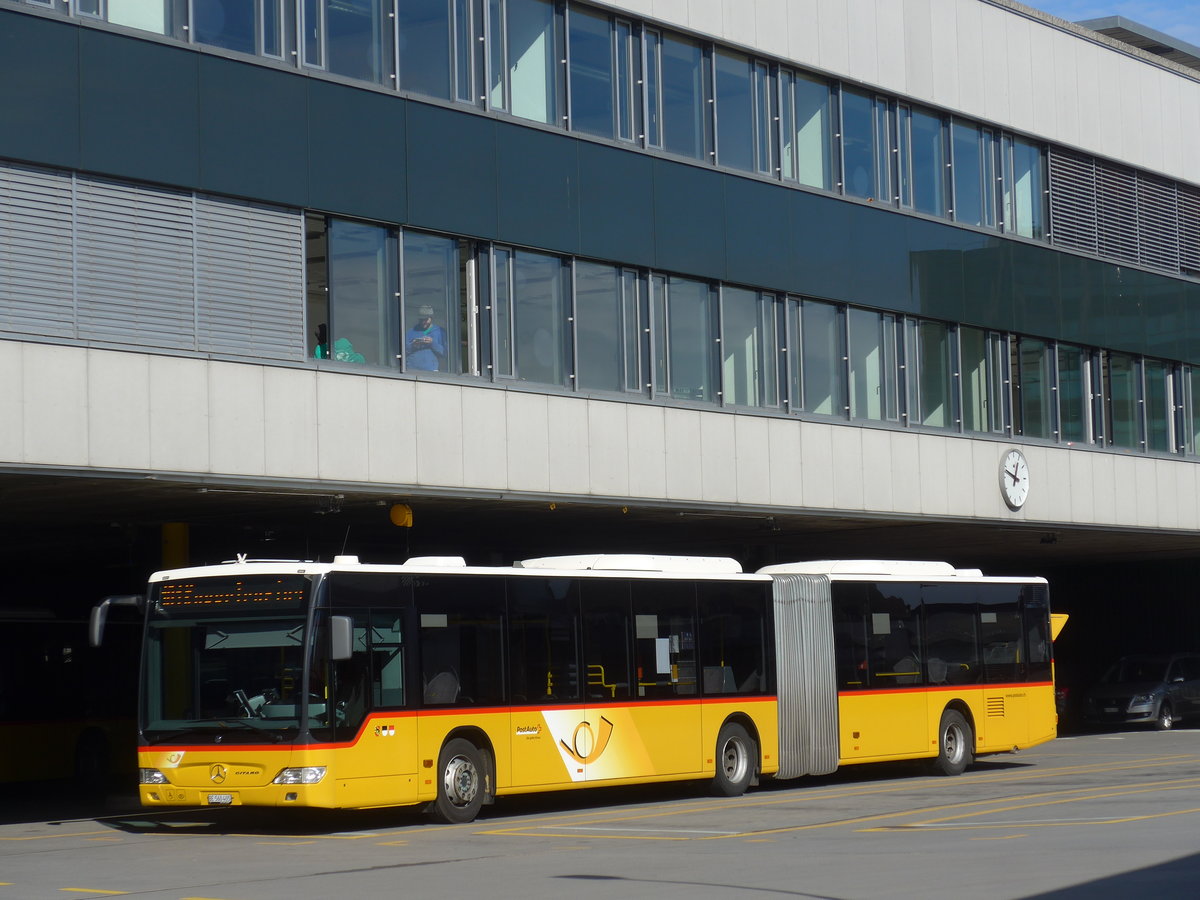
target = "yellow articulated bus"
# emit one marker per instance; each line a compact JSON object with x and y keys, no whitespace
{"x":345,"y":685}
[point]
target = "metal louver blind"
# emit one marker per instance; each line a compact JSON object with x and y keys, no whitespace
{"x":1116,"y":206}
{"x":1073,"y":201}
{"x":1189,"y":229}
{"x":249,"y":279}
{"x":1158,"y":222}
{"x":36,"y":252}
{"x":134,"y":264}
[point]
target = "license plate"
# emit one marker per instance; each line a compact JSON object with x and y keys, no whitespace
{"x":220,"y":799}
{"x":1110,"y":709}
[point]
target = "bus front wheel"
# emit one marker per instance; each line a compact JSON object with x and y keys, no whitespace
{"x":736,"y":759}
{"x":955,"y":744}
{"x":461,"y":787}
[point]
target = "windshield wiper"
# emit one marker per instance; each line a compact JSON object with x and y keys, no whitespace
{"x":246,"y":723}
{"x":212,"y":728}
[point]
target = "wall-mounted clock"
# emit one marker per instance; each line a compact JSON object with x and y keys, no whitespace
{"x":1014,"y":479}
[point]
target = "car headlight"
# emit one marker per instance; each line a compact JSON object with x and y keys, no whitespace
{"x":151,"y":776}
{"x":301,"y":775}
{"x":1141,"y":699}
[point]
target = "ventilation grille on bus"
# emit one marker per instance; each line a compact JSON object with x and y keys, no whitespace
{"x":995,"y":707}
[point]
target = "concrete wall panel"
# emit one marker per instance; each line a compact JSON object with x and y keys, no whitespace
{"x":292,"y":427}
{"x":179,"y":442}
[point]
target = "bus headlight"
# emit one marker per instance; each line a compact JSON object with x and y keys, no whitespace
{"x":302,"y":775}
{"x":151,"y":776}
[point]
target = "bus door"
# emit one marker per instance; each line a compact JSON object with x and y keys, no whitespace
{"x":377,"y":752}
{"x":882,"y":706}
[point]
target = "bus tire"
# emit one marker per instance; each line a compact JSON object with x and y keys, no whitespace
{"x":736,"y":760}
{"x":461,"y":783}
{"x":956,"y":744}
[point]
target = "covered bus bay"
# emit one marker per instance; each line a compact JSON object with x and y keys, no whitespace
{"x":67,"y":712}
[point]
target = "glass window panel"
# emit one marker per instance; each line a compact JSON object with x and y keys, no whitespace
{"x":968,"y":174}
{"x":1192,"y":428}
{"x":316,"y":281}
{"x":860,"y":166}
{"x":764,"y":119}
{"x":658,"y":288}
{"x":311,"y":32}
{"x":1072,"y":395}
{"x":467,"y":52}
{"x":735,"y":111}
{"x":598,"y":335}
{"x":685,"y":117}
{"x":590,"y":41}
{"x":503,"y":311}
{"x":988,"y":177}
{"x":272,"y":28}
{"x":749,"y":345}
{"x":871,"y":338}
{"x":653,"y":89}
{"x":148,"y":15}
{"x":423,"y":27}
{"x":691,"y":340}
{"x":1034,"y":378}
{"x":931,"y":394}
{"x":225,"y":23}
{"x":84,"y":7}
{"x":496,"y":55}
{"x":362,"y":293}
{"x":1027,"y":190}
{"x":1158,"y":406}
{"x":922,"y":162}
{"x":824,"y":366}
{"x":626,"y":87}
{"x":532,"y":66}
{"x":976,"y":383}
{"x":436,"y":305}
{"x":539,"y":318}
{"x":794,"y":343}
{"x":358,"y":39}
{"x":632,"y":329}
{"x":1121,"y":394}
{"x":812,"y":136}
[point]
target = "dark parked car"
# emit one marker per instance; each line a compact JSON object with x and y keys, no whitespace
{"x":1158,"y":689}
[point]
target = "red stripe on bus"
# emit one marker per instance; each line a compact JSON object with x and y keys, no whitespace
{"x":942,"y":688}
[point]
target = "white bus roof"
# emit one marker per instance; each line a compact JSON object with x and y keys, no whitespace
{"x":893,"y":568}
{"x":598,"y":563}
{"x":635,"y":562}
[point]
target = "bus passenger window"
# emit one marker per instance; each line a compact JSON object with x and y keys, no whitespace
{"x":665,"y":638}
{"x":606,"y":635}
{"x":733,"y":638}
{"x":1000,"y":633}
{"x":543,"y":629}
{"x":895,"y":638}
{"x":951,"y":644}
{"x":461,"y":640}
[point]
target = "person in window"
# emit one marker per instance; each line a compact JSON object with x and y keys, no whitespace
{"x":426,"y":343}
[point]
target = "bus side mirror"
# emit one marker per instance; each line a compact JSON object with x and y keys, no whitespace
{"x":99,"y":614}
{"x":341,"y":637}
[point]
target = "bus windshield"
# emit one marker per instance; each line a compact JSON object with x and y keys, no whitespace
{"x":225,"y":660}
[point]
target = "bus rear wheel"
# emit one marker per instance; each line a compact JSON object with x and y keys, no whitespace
{"x":736,"y":759}
{"x":955,"y":744}
{"x":461,"y":783}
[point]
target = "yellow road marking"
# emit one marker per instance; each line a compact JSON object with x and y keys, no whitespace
{"x":90,"y":891}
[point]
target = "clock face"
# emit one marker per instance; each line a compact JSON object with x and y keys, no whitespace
{"x":1014,"y":479}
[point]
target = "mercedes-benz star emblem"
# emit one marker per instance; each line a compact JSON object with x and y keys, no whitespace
{"x":217,"y":773}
